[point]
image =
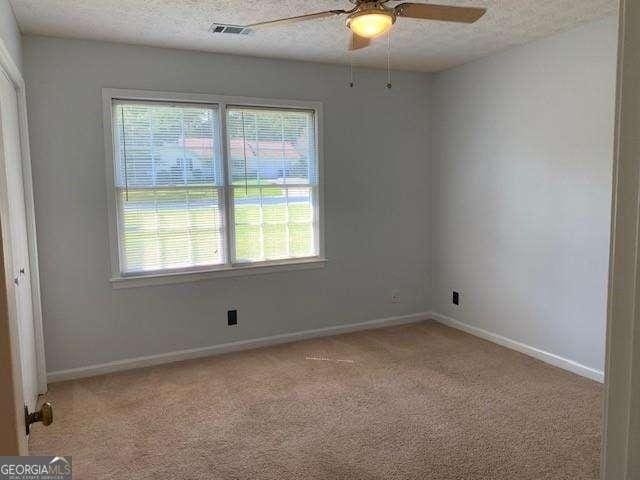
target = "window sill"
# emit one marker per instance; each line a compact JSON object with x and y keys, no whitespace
{"x":220,"y":272}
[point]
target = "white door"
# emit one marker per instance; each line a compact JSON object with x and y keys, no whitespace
{"x":15,"y":239}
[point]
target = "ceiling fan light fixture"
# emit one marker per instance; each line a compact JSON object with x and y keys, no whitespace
{"x":371,"y":23}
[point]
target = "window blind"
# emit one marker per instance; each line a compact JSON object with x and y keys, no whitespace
{"x":273,"y":176}
{"x":169,"y":186}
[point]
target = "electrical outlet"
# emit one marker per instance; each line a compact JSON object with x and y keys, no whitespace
{"x":456,"y":298}
{"x":232,"y":317}
{"x":395,"y":296}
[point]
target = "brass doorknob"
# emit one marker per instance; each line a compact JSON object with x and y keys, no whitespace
{"x":44,"y":415}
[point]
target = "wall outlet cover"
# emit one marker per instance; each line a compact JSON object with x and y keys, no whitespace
{"x":456,"y":297}
{"x":395,"y":296}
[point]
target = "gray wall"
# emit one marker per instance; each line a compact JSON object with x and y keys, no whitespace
{"x":522,"y":148}
{"x":9,"y":32}
{"x":376,"y":172}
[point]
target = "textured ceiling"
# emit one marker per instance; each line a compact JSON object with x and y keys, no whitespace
{"x":416,"y":45}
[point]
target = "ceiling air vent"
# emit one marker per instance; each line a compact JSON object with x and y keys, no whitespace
{"x":229,"y":29}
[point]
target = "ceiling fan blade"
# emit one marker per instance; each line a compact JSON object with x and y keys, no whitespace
{"x":356,"y":42}
{"x":443,"y":13}
{"x":300,"y":18}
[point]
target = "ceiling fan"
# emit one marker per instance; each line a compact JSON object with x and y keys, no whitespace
{"x":370,"y":19}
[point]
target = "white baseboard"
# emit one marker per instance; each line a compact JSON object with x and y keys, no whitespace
{"x":139,"y":362}
{"x":550,"y":358}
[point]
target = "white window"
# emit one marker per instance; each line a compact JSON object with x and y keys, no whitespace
{"x":211,"y":184}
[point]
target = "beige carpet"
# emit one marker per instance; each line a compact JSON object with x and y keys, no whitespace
{"x":420,"y":401}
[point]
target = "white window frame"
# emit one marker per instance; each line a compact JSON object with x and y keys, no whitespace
{"x":229,"y":269}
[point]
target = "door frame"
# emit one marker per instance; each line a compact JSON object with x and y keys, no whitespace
{"x":13,"y":72}
{"x":621,"y":429}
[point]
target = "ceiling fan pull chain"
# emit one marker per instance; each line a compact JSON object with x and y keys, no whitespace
{"x":389,"y":60}
{"x":352,"y":82}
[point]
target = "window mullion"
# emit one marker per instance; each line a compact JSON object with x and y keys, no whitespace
{"x":317,"y":224}
{"x":229,"y":227}
{"x":262,"y":224}
{"x":286,"y":220}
